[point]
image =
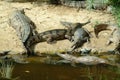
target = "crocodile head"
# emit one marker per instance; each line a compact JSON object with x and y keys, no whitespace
{"x":20,"y":10}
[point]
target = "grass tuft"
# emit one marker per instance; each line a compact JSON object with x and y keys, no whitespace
{"x":6,"y":68}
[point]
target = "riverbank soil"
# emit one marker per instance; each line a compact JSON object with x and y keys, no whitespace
{"x":47,"y":17}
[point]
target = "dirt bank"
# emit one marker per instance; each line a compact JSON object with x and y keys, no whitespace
{"x":48,"y":17}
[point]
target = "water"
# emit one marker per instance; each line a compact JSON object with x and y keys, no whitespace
{"x":39,"y":71}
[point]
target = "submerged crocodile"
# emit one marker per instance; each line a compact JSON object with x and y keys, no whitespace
{"x":77,"y":34}
{"x":87,"y":60}
{"x":114,"y":36}
{"x":23,"y":25}
{"x":18,"y":58}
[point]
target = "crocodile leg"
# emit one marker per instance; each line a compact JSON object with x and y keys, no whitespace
{"x":33,"y":26}
{"x":75,"y":46}
{"x":86,"y":39}
{"x":50,"y":40}
{"x":69,"y":38}
{"x":117,"y":49}
{"x":90,"y":35}
{"x":109,"y":41}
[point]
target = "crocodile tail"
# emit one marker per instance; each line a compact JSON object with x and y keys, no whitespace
{"x":71,"y":25}
{"x":66,"y":24}
{"x":30,"y":42}
{"x":86,"y":22}
{"x":33,"y":40}
{"x":117,"y":49}
{"x":80,"y":25}
{"x":100,"y":27}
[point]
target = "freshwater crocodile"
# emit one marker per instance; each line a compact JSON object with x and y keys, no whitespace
{"x":72,"y":27}
{"x":77,"y":34}
{"x":114,"y":36}
{"x":73,"y":3}
{"x":23,"y":25}
{"x":79,"y":38}
{"x":95,"y":4}
{"x":87,"y":60}
{"x":50,"y":36}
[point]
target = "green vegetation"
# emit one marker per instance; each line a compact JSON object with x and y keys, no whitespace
{"x":6,"y":68}
{"x":116,"y":9}
{"x":114,"y":2}
{"x":91,"y":3}
{"x":115,"y":5}
{"x":116,"y":13}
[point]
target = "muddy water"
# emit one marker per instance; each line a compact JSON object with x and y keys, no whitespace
{"x":40,"y":71}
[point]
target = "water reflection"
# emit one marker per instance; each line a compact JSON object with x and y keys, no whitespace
{"x":6,"y":68}
{"x":39,"y":71}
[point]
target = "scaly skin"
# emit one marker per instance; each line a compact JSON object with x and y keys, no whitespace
{"x":77,"y":34}
{"x":71,"y":27}
{"x":76,"y":4}
{"x":114,"y":36}
{"x":87,"y":60}
{"x":96,"y":4}
{"x":23,"y":25}
{"x":49,"y":36}
{"x":79,"y":38}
